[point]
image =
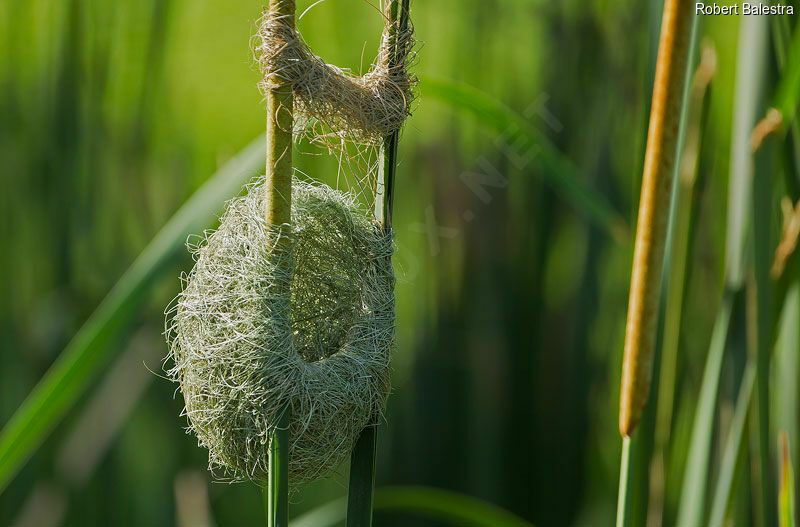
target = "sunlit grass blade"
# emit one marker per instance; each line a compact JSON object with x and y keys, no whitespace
{"x":87,"y":352}
{"x":786,"y":500}
{"x":750,"y":73}
{"x":685,"y":210}
{"x":692,"y":511}
{"x":788,"y":91}
{"x":329,"y":514}
{"x":693,"y":494}
{"x":787,"y":368}
{"x":781,"y":33}
{"x":556,"y":170}
{"x":733,"y":450}
{"x":444,"y":506}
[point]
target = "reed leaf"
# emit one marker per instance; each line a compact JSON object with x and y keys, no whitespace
{"x":787,"y":93}
{"x":90,"y":348}
{"x":787,"y":370}
{"x":763,"y":252}
{"x":733,"y":450}
{"x":786,"y":500}
{"x":434,"y":504}
{"x":693,"y":493}
{"x":556,"y":170}
{"x":686,"y":209}
{"x":750,"y":65}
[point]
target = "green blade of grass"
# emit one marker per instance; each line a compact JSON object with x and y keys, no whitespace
{"x":750,"y":64}
{"x":328,"y":514}
{"x":448,"y":507}
{"x":555,"y":169}
{"x":750,"y":73}
{"x":276,"y":494}
{"x":788,"y":368}
{"x":686,"y":210}
{"x":781,"y":32}
{"x":786,"y":500}
{"x":693,"y":494}
{"x":763,"y":250}
{"x":733,"y":450}
{"x":788,"y":91}
{"x":87,"y":352}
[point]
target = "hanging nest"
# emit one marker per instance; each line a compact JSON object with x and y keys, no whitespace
{"x":241,"y":352}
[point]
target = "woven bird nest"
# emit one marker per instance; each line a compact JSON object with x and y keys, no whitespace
{"x":241,"y":353}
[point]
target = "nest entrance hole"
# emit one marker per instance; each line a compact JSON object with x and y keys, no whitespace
{"x":326,"y":296}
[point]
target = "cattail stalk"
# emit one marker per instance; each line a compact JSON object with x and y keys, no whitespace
{"x":654,"y":204}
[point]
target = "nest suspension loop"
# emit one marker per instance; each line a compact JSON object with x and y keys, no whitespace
{"x":365,"y":108}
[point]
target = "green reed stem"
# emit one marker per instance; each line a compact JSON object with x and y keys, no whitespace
{"x":733,"y":450}
{"x":277,"y":491}
{"x":278,"y":212}
{"x":362,"y":460}
{"x":685,"y":210}
{"x":625,"y":475}
{"x":362,"y":479}
{"x":763,"y":252}
{"x":384,"y":189}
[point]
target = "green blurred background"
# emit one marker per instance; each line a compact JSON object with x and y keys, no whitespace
{"x":511,"y":305}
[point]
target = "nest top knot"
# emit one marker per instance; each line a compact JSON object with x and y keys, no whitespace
{"x":363,"y":108}
{"x":241,"y":351}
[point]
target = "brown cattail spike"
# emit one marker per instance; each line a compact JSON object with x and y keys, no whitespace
{"x":659,"y":169}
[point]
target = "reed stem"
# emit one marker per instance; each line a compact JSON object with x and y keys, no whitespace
{"x":362,"y":460}
{"x":384,"y":188}
{"x":279,"y":138}
{"x":278,"y":214}
{"x":362,"y":479}
{"x":624,"y":500}
{"x":278,"y":489}
{"x":763,"y":251}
